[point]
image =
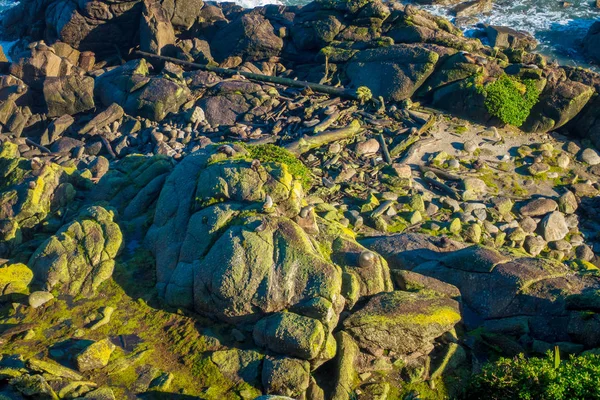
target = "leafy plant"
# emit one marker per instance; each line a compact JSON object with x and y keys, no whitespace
{"x":511,"y":100}
{"x":538,"y":379}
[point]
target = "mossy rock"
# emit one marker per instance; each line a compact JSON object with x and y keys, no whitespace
{"x":80,"y":256}
{"x":404,"y":322}
{"x":15,"y":278}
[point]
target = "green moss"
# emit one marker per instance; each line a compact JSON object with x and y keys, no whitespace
{"x":509,"y":99}
{"x":266,"y":153}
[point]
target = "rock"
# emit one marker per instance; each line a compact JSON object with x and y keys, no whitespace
{"x":138,"y":94}
{"x":58,"y":265}
{"x":251,"y":36}
{"x":228,"y":101}
{"x":394,"y":72}
{"x":474,"y":185}
{"x":558,"y":104}
{"x":538,"y":207}
{"x":411,"y":281}
{"x":53,"y":368}
{"x":534,"y":245}
{"x":34,"y":66}
{"x":528,"y":225}
{"x":567,"y":203}
{"x":590,"y":156}
{"x":474,"y":259}
{"x":183,"y":14}
{"x":94,"y":356}
{"x":368,"y":147}
{"x":473,"y":233}
{"x":474,"y":7}
{"x":504,"y":37}
{"x":157,"y":35}
{"x":239,"y":365}
{"x":99,"y":167}
{"x":14,"y":278}
{"x":286,"y":376}
{"x":56,"y":129}
{"x":103,"y":393}
{"x":68,"y":95}
{"x":113,"y":113}
{"x":38,"y":299}
{"x":403,"y":322}
{"x":554,"y":227}
{"x":291,"y":334}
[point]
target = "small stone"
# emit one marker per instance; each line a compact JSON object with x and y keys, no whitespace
{"x":335,"y":148}
{"x":504,"y":205}
{"x":534,"y":245}
{"x":518,"y":235}
{"x":195,"y":115}
{"x":415,"y":217}
{"x":417,"y":203}
{"x":528,"y":224}
{"x":472,"y":233}
{"x":538,"y":207}
{"x":554,"y":227}
{"x":452,"y":204}
{"x":572,"y":221}
{"x":402,"y":170}
{"x":567,"y":203}
{"x":470,"y":146}
{"x":453,"y":164}
{"x":590,"y":156}
{"x":561,"y":245}
{"x":490,"y":228}
{"x":475,"y":185}
{"x":577,"y":240}
{"x":584,"y":252}
{"x":538,"y":168}
{"x":480,"y":214}
{"x":573,"y":148}
{"x":38,"y":299}
{"x":368,"y":147}
{"x":431,"y":209}
{"x":563,"y":161}
{"x":455,"y":226}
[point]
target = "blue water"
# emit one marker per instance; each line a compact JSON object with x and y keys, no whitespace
{"x":559,"y":30}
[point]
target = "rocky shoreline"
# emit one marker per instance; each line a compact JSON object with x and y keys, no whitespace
{"x":169,"y":232}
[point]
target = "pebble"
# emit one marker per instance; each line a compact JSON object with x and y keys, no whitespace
{"x":563,"y":161}
{"x":38,"y":299}
{"x":538,"y":207}
{"x":528,"y":224}
{"x":368,"y":147}
{"x":554,"y":227}
{"x":590,"y":156}
{"x":470,"y":146}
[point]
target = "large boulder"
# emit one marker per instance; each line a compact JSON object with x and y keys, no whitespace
{"x":68,"y":95}
{"x":35,"y":65}
{"x":251,"y":36}
{"x":560,"y":102}
{"x":80,"y":256}
{"x":508,"y":295}
{"x":503,"y":37}
{"x":157,"y":35}
{"x":91,"y":25}
{"x":227,"y":244}
{"x":394,"y":72}
{"x":131,"y":87}
{"x":403,"y":322}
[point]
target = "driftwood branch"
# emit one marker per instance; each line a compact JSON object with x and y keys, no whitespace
{"x":308,"y":143}
{"x":334,"y":91}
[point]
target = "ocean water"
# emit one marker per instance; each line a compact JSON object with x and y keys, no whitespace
{"x":559,"y":29}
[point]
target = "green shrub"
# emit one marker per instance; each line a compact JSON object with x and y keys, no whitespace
{"x":510,"y":99}
{"x":576,"y":378}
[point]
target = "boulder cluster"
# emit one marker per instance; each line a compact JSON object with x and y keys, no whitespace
{"x":176,"y":232}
